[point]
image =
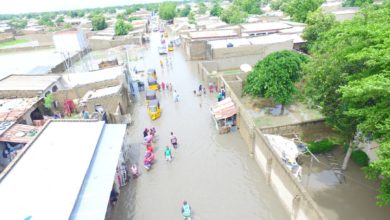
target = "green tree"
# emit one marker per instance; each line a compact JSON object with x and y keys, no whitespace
{"x":216,"y":10}
{"x":317,"y":22}
{"x":167,"y":10}
{"x":121,"y":16}
{"x":46,"y":21}
{"x":348,"y":76}
{"x":356,"y":3}
{"x":233,"y":15}
{"x":191,"y":18}
{"x":60,"y":19}
{"x":249,"y":6}
{"x":202,"y":8}
{"x":274,"y":77}
{"x":276,"y":4}
{"x":185,"y":11}
{"x":122,"y":28}
{"x":18,"y":23}
{"x":48,"y":101}
{"x":98,"y":22}
{"x":111,"y":10}
{"x":299,"y":9}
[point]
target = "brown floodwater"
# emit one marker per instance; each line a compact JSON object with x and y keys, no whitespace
{"x":213,"y":172}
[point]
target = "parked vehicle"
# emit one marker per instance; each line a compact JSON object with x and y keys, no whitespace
{"x":154,"y":110}
{"x":162,"y":50}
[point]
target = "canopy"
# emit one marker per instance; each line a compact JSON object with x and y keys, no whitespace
{"x":153,"y":102}
{"x":224,"y":109}
{"x":150,"y":93}
{"x":19,"y":133}
{"x":152,"y":81}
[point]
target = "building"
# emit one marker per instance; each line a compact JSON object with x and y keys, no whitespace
{"x":345,"y":13}
{"x":262,"y":28}
{"x":27,"y":86}
{"x":66,"y":172}
{"x":195,"y":43}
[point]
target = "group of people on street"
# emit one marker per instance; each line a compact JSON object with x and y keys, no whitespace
{"x":221,"y":95}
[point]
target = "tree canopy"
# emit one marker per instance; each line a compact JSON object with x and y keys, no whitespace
{"x":202,"y":8}
{"x":216,"y":10}
{"x":233,"y":15}
{"x":122,"y":28}
{"x":18,"y":23}
{"x":274,"y":77}
{"x":354,"y":3}
{"x":185,"y":11}
{"x":98,"y":22}
{"x":317,"y":22}
{"x":46,"y":21}
{"x":348,"y":76}
{"x":299,"y":9}
{"x":249,"y":6}
{"x":167,"y":10}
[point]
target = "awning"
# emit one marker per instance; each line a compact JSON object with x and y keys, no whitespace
{"x":19,"y":133}
{"x":224,"y":109}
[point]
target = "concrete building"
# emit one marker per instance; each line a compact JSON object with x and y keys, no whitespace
{"x":195,"y":43}
{"x":27,"y":86}
{"x":67,"y":172}
{"x":345,"y":13}
{"x":263,"y":28}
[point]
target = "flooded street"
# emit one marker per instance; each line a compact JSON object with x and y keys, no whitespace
{"x":213,"y":172}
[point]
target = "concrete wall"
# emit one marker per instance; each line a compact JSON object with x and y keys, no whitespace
{"x":196,"y":50}
{"x":6,"y":37}
{"x":44,"y":39}
{"x":247,"y":54}
{"x":98,"y":44}
{"x":307,"y":127}
{"x":293,"y":196}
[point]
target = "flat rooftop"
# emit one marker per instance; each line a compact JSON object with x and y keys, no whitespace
{"x":71,"y":80}
{"x":51,"y":178}
{"x":264,"y":26}
{"x":28,"y":82}
{"x":102,"y":92}
{"x":212,"y":34}
{"x":269,"y":39}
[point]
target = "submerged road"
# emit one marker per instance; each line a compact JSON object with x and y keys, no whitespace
{"x":213,"y":172}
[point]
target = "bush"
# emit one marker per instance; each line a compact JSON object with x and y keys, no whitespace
{"x":322,"y":146}
{"x":360,"y":157}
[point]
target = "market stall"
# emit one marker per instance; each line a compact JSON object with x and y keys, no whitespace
{"x":225,"y":114}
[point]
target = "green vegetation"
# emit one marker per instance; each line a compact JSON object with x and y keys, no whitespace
{"x":202,"y":8}
{"x":249,"y":6}
{"x":13,"y":42}
{"x":78,"y":13}
{"x":216,"y":10}
{"x":353,"y":3}
{"x":349,"y":77}
{"x":276,"y":4}
{"x":185,"y":11}
{"x":233,"y":15}
{"x":46,"y":20}
{"x":191,"y":18}
{"x":98,"y":22}
{"x":299,"y":9}
{"x":274,"y":77}
{"x":122,"y":28}
{"x":60,"y":19}
{"x":317,"y":23}
{"x":133,"y":18}
{"x":360,"y":158}
{"x":322,"y":146}
{"x":18,"y":23}
{"x":121,"y":16}
{"x":167,"y":10}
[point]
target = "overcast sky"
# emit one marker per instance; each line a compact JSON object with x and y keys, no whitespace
{"x":23,"y":6}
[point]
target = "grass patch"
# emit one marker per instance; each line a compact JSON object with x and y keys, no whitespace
{"x":321,"y":146}
{"x":360,"y":157}
{"x":13,"y":42}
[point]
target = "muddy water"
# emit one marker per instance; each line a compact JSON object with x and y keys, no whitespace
{"x":212,"y":172}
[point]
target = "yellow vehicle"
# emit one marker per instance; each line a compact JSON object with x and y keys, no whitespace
{"x":165,"y":34}
{"x":152,"y":84}
{"x":154,"y":110}
{"x":150,"y":95}
{"x":152,"y":73}
{"x":170,"y":47}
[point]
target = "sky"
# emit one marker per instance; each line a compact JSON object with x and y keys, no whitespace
{"x":25,"y":6}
